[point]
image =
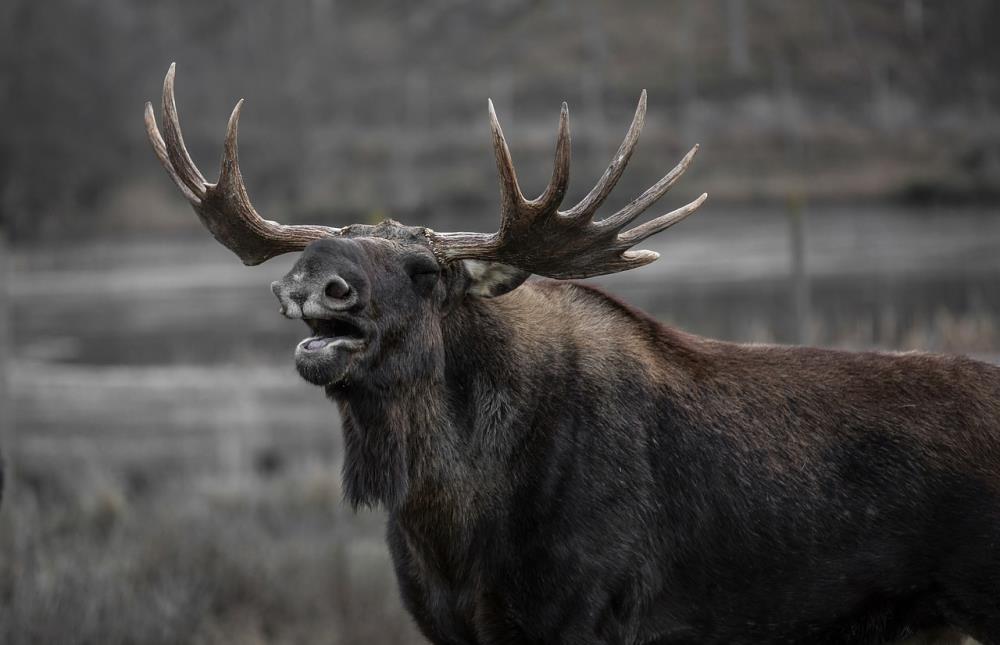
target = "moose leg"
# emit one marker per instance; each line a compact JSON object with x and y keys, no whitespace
{"x":946,"y":636}
{"x":984,"y":625}
{"x":429,"y":604}
{"x":978,"y":606}
{"x":971,"y":587}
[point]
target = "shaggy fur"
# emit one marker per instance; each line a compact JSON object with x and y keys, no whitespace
{"x":560,"y":468}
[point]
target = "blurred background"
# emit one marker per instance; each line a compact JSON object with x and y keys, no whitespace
{"x":170,"y":477}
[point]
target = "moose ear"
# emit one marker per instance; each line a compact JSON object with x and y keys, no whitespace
{"x":492,"y":279}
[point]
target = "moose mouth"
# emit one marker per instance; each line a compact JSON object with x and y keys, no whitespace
{"x":327,"y":356}
{"x":329,"y":334}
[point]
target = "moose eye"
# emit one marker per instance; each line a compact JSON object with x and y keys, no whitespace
{"x":423,"y":271}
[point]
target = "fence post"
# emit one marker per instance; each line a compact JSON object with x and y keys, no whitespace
{"x":799,"y":275}
{"x":8,"y":440}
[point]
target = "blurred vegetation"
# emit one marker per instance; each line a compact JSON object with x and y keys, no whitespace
{"x":103,"y":562}
{"x":356,"y":110}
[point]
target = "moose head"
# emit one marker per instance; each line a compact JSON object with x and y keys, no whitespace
{"x":372,"y":296}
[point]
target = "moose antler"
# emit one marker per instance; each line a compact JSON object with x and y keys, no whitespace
{"x":536,"y":236}
{"x":223,"y":207}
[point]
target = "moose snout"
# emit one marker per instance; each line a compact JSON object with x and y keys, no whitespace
{"x":303,"y":296}
{"x":327,"y":279}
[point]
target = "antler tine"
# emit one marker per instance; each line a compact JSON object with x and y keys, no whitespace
{"x":661,"y":223}
{"x":589,"y":204}
{"x":553,"y":195}
{"x":179,"y":157}
{"x":646,"y":199}
{"x":232,"y":192}
{"x":160,"y":148}
{"x":511,"y":198}
{"x":230,"y":177}
{"x":224,"y":208}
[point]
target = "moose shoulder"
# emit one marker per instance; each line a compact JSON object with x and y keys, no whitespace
{"x":559,"y":467}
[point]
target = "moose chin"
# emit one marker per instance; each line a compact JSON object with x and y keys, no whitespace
{"x":558,"y":467}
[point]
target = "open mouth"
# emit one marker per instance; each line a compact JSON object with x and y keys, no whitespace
{"x":332,"y":333}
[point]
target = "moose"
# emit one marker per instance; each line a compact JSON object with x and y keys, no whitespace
{"x":559,"y":467}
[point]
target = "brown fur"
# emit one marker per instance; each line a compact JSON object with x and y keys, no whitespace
{"x":560,"y":467}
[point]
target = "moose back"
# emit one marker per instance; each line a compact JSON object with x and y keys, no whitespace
{"x":558,"y":467}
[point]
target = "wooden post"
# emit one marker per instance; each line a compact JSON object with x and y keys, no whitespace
{"x":799,"y":276}
{"x":739,"y":50}
{"x":8,"y":440}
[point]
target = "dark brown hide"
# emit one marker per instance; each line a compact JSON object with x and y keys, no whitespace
{"x":559,"y":467}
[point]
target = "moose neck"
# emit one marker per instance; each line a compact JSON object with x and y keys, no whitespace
{"x":430,"y":440}
{"x":445,"y":438}
{"x":381,"y":453}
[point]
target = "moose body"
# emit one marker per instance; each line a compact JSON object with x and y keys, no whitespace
{"x":561,"y":468}
{"x":580,"y":473}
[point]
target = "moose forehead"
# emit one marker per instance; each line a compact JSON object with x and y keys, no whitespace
{"x":337,"y":253}
{"x":388,"y":229}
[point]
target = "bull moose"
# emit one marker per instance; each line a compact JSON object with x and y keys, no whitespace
{"x":559,"y":467}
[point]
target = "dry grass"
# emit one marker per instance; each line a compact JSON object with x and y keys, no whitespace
{"x":278,"y":562}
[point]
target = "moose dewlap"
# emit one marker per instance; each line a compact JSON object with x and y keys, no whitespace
{"x":558,"y":467}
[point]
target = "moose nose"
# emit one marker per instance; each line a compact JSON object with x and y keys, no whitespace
{"x":327,"y":280}
{"x":309,"y":297}
{"x":337,"y":288}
